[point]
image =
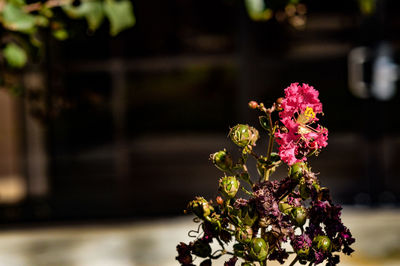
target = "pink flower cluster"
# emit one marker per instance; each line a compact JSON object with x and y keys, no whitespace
{"x":298,"y":138}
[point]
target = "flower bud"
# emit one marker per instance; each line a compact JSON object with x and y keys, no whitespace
{"x":219,"y":200}
{"x":278,"y":103}
{"x":229,"y":186}
{"x":303,"y":252}
{"x":296,"y":170}
{"x":222,"y":160}
{"x":322,"y":243}
{"x":258,"y":249}
{"x":201,"y":249}
{"x":243,"y":135}
{"x":244,"y":234}
{"x":200,"y":207}
{"x":253,"y":104}
{"x":299,"y":216}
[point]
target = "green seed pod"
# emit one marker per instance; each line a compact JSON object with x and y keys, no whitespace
{"x":297,"y":170}
{"x":243,"y":135}
{"x":248,"y":214}
{"x":299,"y":216}
{"x":238,"y":250}
{"x":200,"y":207}
{"x":229,"y":186}
{"x":201,"y":249}
{"x":322,"y":243}
{"x":302,"y":253}
{"x":284,"y":207}
{"x":222,"y":160}
{"x":244,"y":234}
{"x":304,"y":190}
{"x":258,"y":249}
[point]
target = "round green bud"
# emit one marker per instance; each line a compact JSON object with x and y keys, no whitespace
{"x":222,"y":160}
{"x":299,"y":215}
{"x":258,"y":249}
{"x":296,"y":170}
{"x":229,"y":186}
{"x":201,"y":249}
{"x":322,"y":243}
{"x":200,"y":207}
{"x":243,"y":135}
{"x":244,"y":234}
{"x":303,"y":252}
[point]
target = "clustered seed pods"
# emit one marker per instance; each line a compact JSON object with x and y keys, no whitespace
{"x":260,"y":214}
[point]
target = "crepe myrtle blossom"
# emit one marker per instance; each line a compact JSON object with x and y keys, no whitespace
{"x":270,"y":218}
{"x":300,"y":135}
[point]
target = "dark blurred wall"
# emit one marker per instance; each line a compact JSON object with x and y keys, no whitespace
{"x":134,"y":118}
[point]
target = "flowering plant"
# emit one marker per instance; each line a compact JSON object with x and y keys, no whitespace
{"x":295,"y":210}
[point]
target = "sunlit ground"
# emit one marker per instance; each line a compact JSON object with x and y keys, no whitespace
{"x":377,"y":234}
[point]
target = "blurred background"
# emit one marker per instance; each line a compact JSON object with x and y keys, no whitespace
{"x":113,"y":136}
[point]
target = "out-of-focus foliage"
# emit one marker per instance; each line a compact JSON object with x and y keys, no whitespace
{"x":367,"y":7}
{"x":22,"y":22}
{"x":291,"y":11}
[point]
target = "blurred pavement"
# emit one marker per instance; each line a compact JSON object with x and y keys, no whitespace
{"x":377,"y":233}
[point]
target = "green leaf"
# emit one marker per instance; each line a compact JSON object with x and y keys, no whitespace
{"x":15,"y":55}
{"x":60,"y":34}
{"x":42,"y":21}
{"x":17,"y":2}
{"x":92,"y":11}
{"x":120,"y":15}
{"x":17,"y":20}
{"x":264,"y":122}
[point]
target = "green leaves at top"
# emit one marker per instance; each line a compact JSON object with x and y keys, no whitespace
{"x":120,"y":15}
{"x":15,"y":55}
{"x":92,"y":11}
{"x":15,"y":19}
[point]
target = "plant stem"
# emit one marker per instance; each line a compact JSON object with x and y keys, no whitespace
{"x":294,"y":261}
{"x":271,"y":137}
